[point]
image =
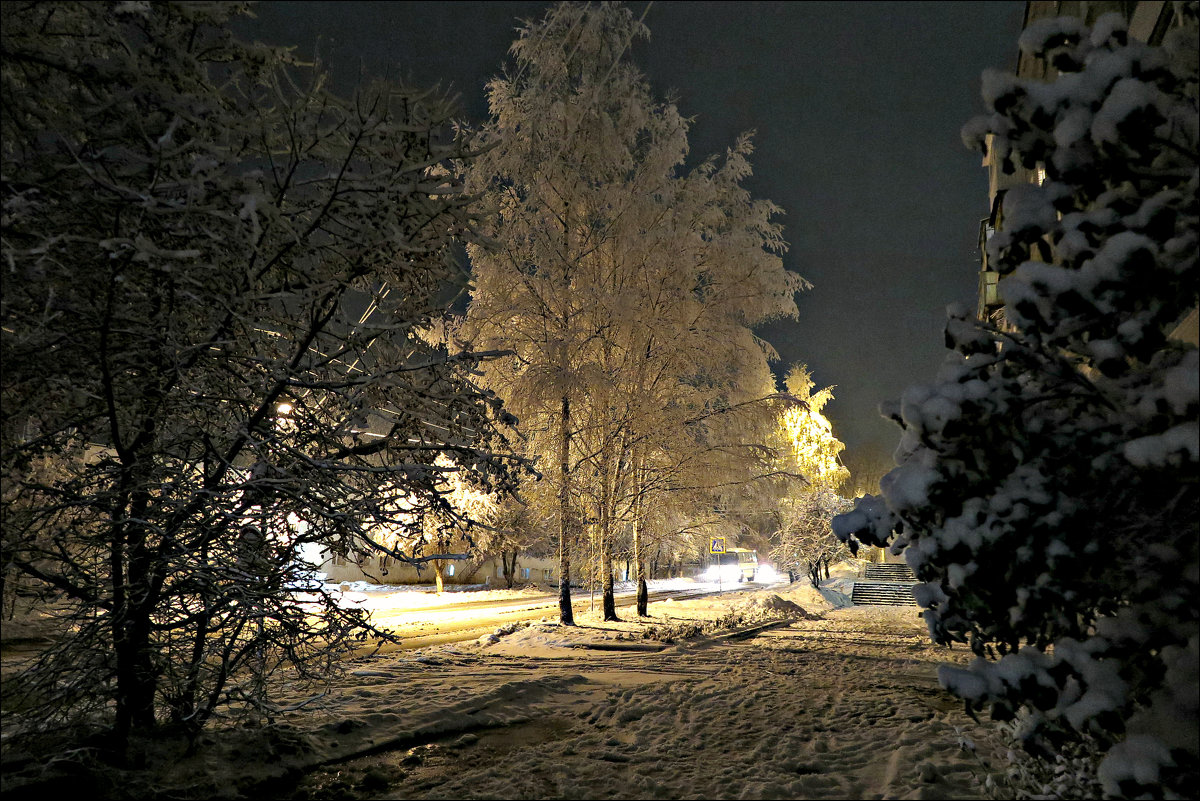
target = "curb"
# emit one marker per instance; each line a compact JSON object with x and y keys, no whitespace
{"x":750,"y":631}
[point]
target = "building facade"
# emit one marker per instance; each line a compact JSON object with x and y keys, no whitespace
{"x":1148,"y":22}
{"x":382,"y":569}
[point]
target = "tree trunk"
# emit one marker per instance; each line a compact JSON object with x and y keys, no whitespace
{"x":610,"y":598}
{"x":606,"y":564}
{"x":438,"y":580}
{"x":136,"y":679}
{"x":509,"y":568}
{"x":8,"y":592}
{"x":136,"y":683}
{"x":606,"y":522}
{"x":566,"y":615}
{"x":639,"y":563}
{"x":606,"y":516}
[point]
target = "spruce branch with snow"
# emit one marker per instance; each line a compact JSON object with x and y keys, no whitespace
{"x":1046,"y":492}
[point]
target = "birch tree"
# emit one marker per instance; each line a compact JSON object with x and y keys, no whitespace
{"x":574,"y":140}
{"x":215,"y":272}
{"x":697,"y":380}
{"x":627,"y":285}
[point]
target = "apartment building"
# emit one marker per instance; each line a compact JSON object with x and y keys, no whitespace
{"x":1148,"y":22}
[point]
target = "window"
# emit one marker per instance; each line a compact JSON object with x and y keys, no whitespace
{"x":546,"y":575}
{"x":989,"y":283}
{"x":524,"y":572}
{"x":450,"y":570}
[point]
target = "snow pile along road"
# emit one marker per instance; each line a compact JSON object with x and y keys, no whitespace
{"x":770,"y":606}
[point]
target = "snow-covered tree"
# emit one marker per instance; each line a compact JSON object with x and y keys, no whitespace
{"x":623,"y":287}
{"x":804,"y":542}
{"x":810,"y":444}
{"x":703,"y":399}
{"x":215,"y":277}
{"x":1046,"y":492}
{"x":569,"y":133}
{"x":803,"y":539}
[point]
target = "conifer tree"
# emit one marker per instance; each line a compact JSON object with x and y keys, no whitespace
{"x":1046,"y":493}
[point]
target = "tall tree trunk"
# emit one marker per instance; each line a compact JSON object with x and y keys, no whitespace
{"x":132,"y":608}
{"x":136,"y":681}
{"x":606,"y":567}
{"x":566,"y":615}
{"x":607,"y":483}
{"x":639,"y":563}
{"x":438,"y":579}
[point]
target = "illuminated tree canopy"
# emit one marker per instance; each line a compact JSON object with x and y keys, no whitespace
{"x":803,"y":539}
{"x":626,"y":288}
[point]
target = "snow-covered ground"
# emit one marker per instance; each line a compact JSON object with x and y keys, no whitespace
{"x":834,"y":702}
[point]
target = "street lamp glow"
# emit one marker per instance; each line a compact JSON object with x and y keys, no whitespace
{"x":284,"y":408}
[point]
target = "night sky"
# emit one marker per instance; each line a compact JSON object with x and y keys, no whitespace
{"x":857,"y":108}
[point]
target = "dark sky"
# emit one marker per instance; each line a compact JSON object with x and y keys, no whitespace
{"x":857,"y":108}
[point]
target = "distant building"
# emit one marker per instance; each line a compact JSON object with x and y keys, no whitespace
{"x":379,"y":568}
{"x":1148,"y":22}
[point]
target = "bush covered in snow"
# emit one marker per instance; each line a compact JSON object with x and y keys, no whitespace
{"x":219,"y":289}
{"x":1046,"y":492}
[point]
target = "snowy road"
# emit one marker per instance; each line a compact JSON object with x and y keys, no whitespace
{"x":424,"y":626}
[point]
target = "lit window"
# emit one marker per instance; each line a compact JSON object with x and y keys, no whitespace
{"x":450,"y":570}
{"x":525,"y":572}
{"x":1040,"y":176}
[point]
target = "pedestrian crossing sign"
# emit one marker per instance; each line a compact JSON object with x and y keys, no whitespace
{"x":716,"y":545}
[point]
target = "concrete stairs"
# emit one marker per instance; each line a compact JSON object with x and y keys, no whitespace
{"x":886,"y":584}
{"x":889,"y":571}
